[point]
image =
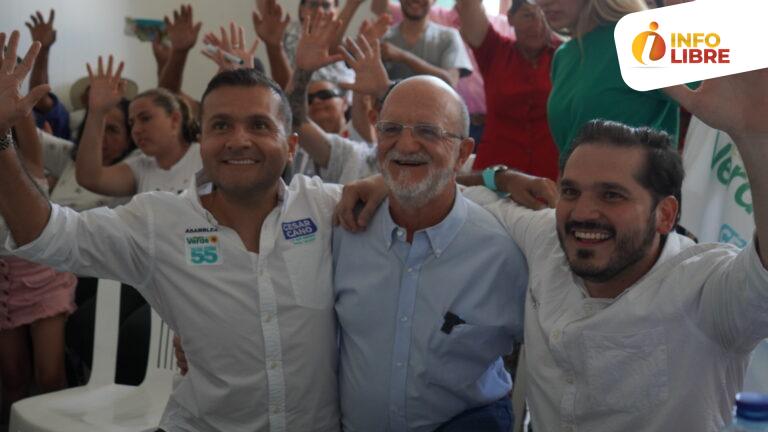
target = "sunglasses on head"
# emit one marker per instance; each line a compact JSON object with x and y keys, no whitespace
{"x":325,"y":5}
{"x":322,"y":95}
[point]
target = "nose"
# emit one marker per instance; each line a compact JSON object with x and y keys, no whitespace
{"x":407,"y":142}
{"x":585,"y":208}
{"x":240,"y":139}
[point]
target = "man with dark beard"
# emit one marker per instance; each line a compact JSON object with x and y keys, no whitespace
{"x":628,"y":325}
{"x":430,"y":297}
{"x":418,"y":46}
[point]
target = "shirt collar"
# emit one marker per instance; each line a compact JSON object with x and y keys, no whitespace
{"x":203,"y":186}
{"x":439,"y":236}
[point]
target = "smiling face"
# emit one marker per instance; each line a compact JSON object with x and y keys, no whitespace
{"x":418,"y":169}
{"x":562,"y":14}
{"x":153,"y":129}
{"x":243,"y":144}
{"x":607,"y":222}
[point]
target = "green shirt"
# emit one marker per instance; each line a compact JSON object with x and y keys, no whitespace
{"x":587,"y":85}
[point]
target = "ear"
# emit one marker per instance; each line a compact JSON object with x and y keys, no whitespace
{"x":666,"y":214}
{"x":292,"y":141}
{"x":465,"y":150}
{"x":176,"y":121}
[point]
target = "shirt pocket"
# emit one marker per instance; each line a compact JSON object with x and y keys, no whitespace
{"x":460,"y":358}
{"x":310,"y":272}
{"x":627,"y":372}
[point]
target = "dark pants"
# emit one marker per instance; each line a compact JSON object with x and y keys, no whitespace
{"x":494,"y":417}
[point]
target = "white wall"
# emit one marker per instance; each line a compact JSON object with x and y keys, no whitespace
{"x":89,"y":28}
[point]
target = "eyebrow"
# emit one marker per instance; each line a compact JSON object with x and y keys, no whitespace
{"x":611,"y":186}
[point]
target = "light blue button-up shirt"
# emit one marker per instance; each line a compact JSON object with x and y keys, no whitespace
{"x":398,"y":370}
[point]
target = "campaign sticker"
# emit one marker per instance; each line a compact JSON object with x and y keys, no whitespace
{"x":300,"y":232}
{"x":203,"y":248}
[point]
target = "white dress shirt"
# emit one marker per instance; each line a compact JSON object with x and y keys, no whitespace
{"x":259,"y":329}
{"x":668,"y":354}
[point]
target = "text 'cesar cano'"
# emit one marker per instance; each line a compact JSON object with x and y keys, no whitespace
{"x":691,"y":42}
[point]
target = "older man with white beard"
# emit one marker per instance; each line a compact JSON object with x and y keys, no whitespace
{"x":430,"y":296}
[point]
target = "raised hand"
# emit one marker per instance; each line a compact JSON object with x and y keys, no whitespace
{"x":161,"y":51}
{"x":42,"y":31}
{"x":377,"y":29}
{"x":106,"y":87}
{"x":13,"y":107}
{"x":234,"y":45}
{"x":317,"y":35}
{"x":370,"y":76}
{"x":269,"y":23}
{"x":736,"y":104}
{"x":182,"y":31}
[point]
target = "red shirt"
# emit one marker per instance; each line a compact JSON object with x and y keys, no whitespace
{"x":516,"y":132}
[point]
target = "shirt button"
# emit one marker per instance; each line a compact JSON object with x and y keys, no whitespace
{"x":410,"y":269}
{"x":273,"y":365}
{"x":275,"y":409}
{"x":569,"y":379}
{"x":404,"y":318}
{"x":399,"y":364}
{"x":267,"y":317}
{"x":400,"y":233}
{"x":555,"y":335}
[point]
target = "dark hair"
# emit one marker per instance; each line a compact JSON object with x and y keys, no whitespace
{"x":335,"y":3}
{"x":170,"y":103}
{"x":251,"y":78}
{"x":516,"y":5}
{"x":123,"y":106}
{"x":662,"y":174}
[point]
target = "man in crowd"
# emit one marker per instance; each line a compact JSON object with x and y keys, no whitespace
{"x":240,"y":261}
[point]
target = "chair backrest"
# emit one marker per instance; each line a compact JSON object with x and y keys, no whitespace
{"x":161,"y":360}
{"x":106,"y":326}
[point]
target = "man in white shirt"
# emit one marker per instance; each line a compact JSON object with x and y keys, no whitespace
{"x":630,"y":326}
{"x":242,"y":262}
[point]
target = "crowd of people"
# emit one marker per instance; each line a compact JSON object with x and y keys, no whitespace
{"x":357,"y":240}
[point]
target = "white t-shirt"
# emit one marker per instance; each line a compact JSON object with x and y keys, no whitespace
{"x":259,"y":330}
{"x":151,"y":178}
{"x":668,"y":354}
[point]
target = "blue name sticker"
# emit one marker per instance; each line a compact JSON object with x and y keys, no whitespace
{"x":300,"y":231}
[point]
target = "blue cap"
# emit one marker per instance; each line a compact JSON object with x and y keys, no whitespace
{"x":752,"y":406}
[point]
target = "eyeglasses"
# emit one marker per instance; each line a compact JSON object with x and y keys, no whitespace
{"x":322,"y":95}
{"x":423,"y":131}
{"x":325,"y":5}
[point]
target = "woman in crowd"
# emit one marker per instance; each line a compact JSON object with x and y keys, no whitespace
{"x":35,"y":301}
{"x":160,"y":126}
{"x":586,"y":80}
{"x":516,"y":80}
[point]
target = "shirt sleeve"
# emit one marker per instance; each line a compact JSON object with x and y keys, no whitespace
{"x":489,"y":49}
{"x":733,"y":308}
{"x":455,"y":54}
{"x":526,"y":227}
{"x":105,"y":243}
{"x":56,"y":153}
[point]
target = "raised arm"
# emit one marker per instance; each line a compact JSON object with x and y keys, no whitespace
{"x":182,"y":32}
{"x":23,"y":207}
{"x":738,"y":105}
{"x":392,"y":53}
{"x":105,"y":92}
{"x":44,"y":33}
{"x":474,"y":22}
{"x":270,"y":24}
{"x":312,"y":53}
{"x":345,"y":16}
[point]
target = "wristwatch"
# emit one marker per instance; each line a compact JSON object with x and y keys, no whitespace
{"x":6,"y":140}
{"x":489,"y":176}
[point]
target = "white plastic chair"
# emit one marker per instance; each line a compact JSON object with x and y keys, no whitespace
{"x":102,"y":405}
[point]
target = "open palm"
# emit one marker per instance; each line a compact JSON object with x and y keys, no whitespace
{"x":106,"y":87}
{"x":14,"y":106}
{"x":317,"y":35}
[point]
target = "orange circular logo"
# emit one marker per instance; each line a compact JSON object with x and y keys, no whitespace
{"x":658,"y":46}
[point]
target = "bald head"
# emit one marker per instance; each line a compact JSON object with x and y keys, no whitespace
{"x":427,"y":99}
